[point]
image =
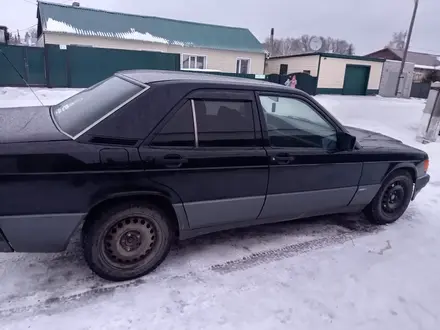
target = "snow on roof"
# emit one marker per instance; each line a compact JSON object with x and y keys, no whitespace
{"x":57,"y":26}
{"x":427,"y":67}
{"x":95,"y":22}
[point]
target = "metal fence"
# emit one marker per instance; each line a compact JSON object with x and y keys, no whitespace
{"x":81,"y":67}
{"x":29,"y":61}
{"x":305,"y":82}
{"x":420,"y":90}
{"x":75,"y":66}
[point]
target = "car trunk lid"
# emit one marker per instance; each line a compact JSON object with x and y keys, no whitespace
{"x":28,"y":124}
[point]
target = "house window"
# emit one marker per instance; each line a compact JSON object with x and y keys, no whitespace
{"x":193,"y":62}
{"x":243,"y":65}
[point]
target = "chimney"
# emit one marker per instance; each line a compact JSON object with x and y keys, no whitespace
{"x":75,"y":4}
{"x":272,"y":32}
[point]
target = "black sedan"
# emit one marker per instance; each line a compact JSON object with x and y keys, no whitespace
{"x":145,"y":157}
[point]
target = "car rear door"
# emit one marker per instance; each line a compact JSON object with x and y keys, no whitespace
{"x":209,"y":151}
{"x":308,"y":176}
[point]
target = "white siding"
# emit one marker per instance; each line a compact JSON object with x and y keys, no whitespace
{"x":40,"y":41}
{"x":295,"y":64}
{"x":332,"y":72}
{"x":222,"y":60}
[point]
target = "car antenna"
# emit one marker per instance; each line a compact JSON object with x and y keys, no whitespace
{"x":16,"y":70}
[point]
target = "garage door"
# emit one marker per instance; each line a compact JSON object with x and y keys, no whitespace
{"x":356,"y":79}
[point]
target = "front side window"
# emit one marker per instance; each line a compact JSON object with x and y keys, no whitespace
{"x":178,"y":131}
{"x":243,"y":65}
{"x":224,"y":123}
{"x":84,"y":109}
{"x":293,"y":123}
{"x":193,"y":62}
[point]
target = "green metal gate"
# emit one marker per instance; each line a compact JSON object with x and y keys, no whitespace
{"x":304,"y":81}
{"x":34,"y":65}
{"x":87,"y":66}
{"x":356,"y":79}
{"x":29,"y":62}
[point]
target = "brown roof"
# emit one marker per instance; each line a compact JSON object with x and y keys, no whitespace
{"x":417,"y":58}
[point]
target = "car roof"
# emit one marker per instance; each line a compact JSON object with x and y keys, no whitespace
{"x":155,"y":76}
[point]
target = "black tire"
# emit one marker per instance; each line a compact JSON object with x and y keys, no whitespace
{"x":392,"y":200}
{"x":127,"y":241}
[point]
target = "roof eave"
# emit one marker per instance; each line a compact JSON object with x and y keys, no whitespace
{"x":262,"y":52}
{"x":333,"y":55}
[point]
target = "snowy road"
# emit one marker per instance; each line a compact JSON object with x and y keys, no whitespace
{"x":331,"y":272}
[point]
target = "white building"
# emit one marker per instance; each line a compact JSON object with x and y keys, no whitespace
{"x":201,"y":46}
{"x":334,"y":73}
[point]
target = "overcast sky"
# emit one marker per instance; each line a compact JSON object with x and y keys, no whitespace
{"x":368,"y":24}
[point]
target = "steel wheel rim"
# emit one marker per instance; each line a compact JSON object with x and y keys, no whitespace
{"x":129,"y":242}
{"x":393,"y":198}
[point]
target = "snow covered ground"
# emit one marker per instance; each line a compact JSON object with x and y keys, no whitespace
{"x":326,"y":273}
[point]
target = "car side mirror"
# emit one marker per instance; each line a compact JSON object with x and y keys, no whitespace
{"x":346,"y":142}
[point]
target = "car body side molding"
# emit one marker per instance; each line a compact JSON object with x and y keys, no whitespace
{"x":365,"y":194}
{"x":216,"y":212}
{"x":299,"y":204}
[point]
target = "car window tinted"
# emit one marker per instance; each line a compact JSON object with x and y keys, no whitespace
{"x":87,"y":107}
{"x":178,"y":131}
{"x":225,"y":123}
{"x":294,"y":123}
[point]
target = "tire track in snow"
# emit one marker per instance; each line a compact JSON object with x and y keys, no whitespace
{"x":79,"y":297}
{"x":289,"y":251}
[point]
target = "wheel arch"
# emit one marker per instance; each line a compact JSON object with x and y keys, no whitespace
{"x":409,"y":167}
{"x":176,"y":212}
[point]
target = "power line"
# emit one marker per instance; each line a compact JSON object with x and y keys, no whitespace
{"x":25,"y":29}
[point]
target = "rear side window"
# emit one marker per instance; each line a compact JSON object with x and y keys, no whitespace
{"x":93,"y":104}
{"x":224,"y":123}
{"x":178,"y":131}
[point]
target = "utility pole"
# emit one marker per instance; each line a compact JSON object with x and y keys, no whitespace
{"x":405,"y":52}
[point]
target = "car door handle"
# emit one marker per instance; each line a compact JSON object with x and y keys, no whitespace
{"x":172,"y":160}
{"x":284,"y":158}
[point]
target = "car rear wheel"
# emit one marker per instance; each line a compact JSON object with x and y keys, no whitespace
{"x":392,"y":200}
{"x":128,"y":241}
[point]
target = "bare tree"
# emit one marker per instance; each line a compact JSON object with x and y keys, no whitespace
{"x":33,"y":32}
{"x":292,"y":46}
{"x":398,"y":40}
{"x":431,"y":76}
{"x":338,"y":46}
{"x":304,"y":42}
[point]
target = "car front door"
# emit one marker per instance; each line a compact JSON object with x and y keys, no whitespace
{"x":209,"y":150}
{"x":308,"y":175}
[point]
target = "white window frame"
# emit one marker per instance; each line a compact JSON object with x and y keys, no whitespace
{"x":193,"y":55}
{"x":245,"y":59}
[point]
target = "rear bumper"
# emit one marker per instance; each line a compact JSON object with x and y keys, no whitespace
{"x":37,"y":233}
{"x":421,"y":182}
{"x":4,"y":245}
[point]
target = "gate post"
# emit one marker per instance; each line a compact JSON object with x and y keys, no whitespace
{"x":430,"y":123}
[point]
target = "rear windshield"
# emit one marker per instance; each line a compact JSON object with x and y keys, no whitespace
{"x":88,"y":107}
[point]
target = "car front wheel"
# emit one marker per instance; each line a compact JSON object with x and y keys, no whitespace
{"x":127,"y":241}
{"x":392,"y":200}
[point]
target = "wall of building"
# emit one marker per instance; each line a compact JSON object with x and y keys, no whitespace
{"x":40,"y":41}
{"x":295,"y":64}
{"x":332,"y":73}
{"x":222,"y":60}
{"x":390,"y":74}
